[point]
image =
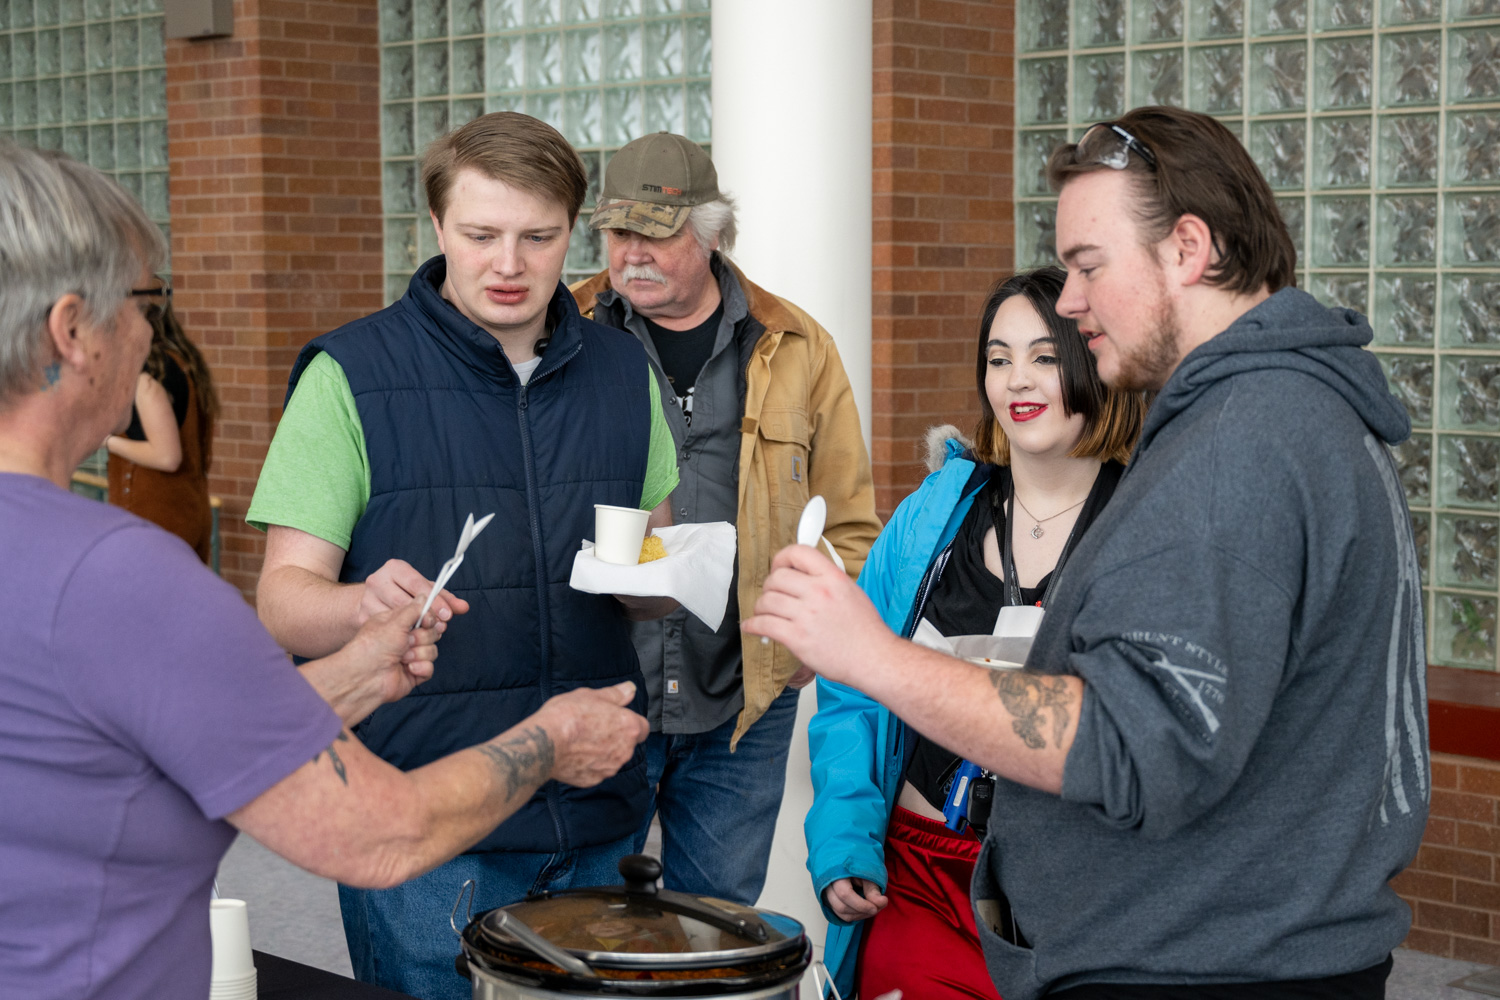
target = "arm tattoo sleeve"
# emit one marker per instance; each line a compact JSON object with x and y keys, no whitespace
{"x":521,"y":760}
{"x":333,"y":755}
{"x":1029,"y":698}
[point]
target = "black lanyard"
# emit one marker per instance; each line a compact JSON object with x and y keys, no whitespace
{"x":1007,"y":559}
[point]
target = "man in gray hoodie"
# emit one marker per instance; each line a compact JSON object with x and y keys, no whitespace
{"x":1216,"y":757}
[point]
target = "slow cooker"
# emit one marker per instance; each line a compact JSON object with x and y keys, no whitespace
{"x":631,"y":940}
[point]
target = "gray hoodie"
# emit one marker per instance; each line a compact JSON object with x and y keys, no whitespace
{"x":1251,"y":764}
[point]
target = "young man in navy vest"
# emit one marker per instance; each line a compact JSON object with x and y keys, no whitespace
{"x":481,"y":391}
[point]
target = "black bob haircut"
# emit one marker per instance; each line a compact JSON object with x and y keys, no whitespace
{"x":1112,"y":420}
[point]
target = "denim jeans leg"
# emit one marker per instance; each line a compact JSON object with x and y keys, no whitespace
{"x":718,"y":809}
{"x":357,"y":933}
{"x":399,"y":938}
{"x":657,"y":746}
{"x":586,"y":867}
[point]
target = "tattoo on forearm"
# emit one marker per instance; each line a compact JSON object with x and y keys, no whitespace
{"x":522,"y":760}
{"x":333,"y":755}
{"x":1028,"y":698}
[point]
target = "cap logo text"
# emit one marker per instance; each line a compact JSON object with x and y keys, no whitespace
{"x":658,"y":189}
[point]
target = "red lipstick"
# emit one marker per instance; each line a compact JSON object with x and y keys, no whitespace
{"x":1022,"y":412}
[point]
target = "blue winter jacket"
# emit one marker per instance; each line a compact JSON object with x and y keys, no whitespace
{"x":858,"y":746}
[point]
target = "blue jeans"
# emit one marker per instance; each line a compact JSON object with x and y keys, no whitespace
{"x":718,"y":810}
{"x":400,"y":939}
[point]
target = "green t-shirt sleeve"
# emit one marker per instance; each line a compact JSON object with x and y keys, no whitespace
{"x":661,"y":459}
{"x":317,"y":473}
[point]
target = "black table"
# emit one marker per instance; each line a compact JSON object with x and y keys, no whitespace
{"x":282,"y":979}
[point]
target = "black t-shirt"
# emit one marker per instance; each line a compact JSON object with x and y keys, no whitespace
{"x":968,"y":597}
{"x":175,"y":381}
{"x":683,"y":354}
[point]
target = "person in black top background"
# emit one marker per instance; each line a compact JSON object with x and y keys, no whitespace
{"x":1050,"y":446}
{"x":158,"y":464}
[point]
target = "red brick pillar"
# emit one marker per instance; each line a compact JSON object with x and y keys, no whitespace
{"x":274,"y":147}
{"x":1453,"y":886}
{"x":944,"y":112}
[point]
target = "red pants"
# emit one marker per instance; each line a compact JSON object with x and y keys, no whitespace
{"x":924,"y":942}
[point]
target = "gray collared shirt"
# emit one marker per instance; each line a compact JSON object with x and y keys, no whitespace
{"x":693,"y":675}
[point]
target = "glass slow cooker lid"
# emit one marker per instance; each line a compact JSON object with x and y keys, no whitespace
{"x":638,"y":925}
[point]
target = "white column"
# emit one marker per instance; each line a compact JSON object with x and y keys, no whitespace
{"x":792,"y":111}
{"x":792,"y":141}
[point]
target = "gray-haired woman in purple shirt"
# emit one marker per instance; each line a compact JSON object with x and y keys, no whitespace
{"x":144,"y":712}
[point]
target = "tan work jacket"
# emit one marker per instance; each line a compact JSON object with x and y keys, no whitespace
{"x":799,"y":438}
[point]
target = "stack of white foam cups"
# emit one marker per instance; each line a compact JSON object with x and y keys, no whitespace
{"x":234,"y":968}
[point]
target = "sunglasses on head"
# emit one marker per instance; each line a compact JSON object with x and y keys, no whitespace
{"x":1109,"y":145}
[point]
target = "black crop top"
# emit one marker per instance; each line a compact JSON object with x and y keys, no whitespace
{"x":967,"y":598}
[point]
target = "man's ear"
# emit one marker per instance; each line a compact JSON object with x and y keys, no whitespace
{"x":1189,"y":249}
{"x":437,"y":227}
{"x":65,"y":322}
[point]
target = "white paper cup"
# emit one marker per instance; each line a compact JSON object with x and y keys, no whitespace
{"x":243,"y":988}
{"x":229,"y":925}
{"x":618,"y":533}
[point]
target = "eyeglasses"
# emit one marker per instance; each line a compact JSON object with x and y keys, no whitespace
{"x":151,"y":302}
{"x":1109,"y":145}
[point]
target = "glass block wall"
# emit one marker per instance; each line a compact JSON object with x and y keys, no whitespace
{"x":1377,"y":122}
{"x":89,"y":77}
{"x":602,"y":72}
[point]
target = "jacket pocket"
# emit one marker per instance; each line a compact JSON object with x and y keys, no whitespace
{"x":784,"y":436}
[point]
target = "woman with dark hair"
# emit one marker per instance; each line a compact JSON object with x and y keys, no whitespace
{"x":990,"y":528}
{"x":158,"y":465}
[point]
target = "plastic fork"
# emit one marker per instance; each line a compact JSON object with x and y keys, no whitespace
{"x":471,"y":531}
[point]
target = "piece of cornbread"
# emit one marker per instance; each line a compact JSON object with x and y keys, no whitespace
{"x":652,"y":549}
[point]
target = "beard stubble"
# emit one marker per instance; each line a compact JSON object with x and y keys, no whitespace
{"x":1147,"y":366}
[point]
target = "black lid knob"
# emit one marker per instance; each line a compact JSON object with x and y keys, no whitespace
{"x":640,"y":872}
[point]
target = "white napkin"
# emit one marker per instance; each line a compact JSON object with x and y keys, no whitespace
{"x":994,"y":651}
{"x":697,"y":570}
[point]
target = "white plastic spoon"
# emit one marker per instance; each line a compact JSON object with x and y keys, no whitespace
{"x":810,"y":529}
{"x":810,"y":525}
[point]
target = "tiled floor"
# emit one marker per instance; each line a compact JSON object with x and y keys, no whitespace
{"x":1417,"y":976}
{"x":296,"y":915}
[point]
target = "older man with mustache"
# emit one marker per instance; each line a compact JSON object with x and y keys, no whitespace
{"x":763,"y":418}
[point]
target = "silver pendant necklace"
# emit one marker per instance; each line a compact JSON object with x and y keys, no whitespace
{"x":1036,"y":529}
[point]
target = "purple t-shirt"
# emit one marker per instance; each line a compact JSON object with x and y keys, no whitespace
{"x":140,"y":703}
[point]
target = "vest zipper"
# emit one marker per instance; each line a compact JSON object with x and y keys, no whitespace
{"x":544,"y":616}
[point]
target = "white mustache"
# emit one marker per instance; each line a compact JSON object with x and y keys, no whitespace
{"x":642,"y":272}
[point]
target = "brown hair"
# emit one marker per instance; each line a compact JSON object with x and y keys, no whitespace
{"x":1203,"y":170}
{"x":1112,"y":419}
{"x":510,"y":147}
{"x":168,"y":337}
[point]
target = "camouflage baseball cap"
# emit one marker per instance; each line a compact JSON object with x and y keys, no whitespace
{"x":652,"y":182}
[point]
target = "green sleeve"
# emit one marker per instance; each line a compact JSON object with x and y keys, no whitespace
{"x":661,"y":460}
{"x":317,"y":473}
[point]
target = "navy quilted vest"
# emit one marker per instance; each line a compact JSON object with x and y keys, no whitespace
{"x":450,"y":430}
